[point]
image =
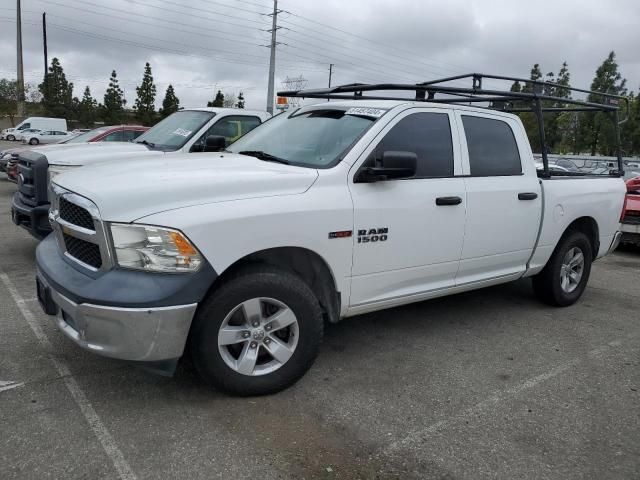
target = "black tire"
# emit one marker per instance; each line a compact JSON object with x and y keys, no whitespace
{"x":33,"y":141}
{"x":547,"y":284}
{"x":11,"y":138}
{"x":254,"y":282}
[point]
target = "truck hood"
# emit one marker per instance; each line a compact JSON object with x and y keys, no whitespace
{"x":143,"y":187}
{"x":79,"y":154}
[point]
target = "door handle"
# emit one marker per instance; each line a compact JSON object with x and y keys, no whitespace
{"x":527,"y":196}
{"x":448,"y":201}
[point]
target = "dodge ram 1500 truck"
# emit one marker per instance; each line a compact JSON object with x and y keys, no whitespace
{"x":182,"y":132}
{"x":329,"y":211}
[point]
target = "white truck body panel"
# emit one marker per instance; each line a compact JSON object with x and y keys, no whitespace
{"x":231,"y":206}
{"x":90,"y":153}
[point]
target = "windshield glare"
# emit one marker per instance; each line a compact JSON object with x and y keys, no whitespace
{"x":176,"y":130}
{"x":313,"y":138}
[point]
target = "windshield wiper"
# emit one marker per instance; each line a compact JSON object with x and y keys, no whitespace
{"x":148,"y":144}
{"x":259,"y":154}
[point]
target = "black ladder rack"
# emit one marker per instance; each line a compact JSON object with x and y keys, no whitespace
{"x":502,"y":100}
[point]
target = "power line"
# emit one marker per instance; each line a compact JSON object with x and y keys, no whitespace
{"x":380,"y":56}
{"x":145,"y":46}
{"x":384,"y":45}
{"x":136,"y":20}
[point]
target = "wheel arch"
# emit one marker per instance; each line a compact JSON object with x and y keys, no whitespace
{"x":588,"y":226}
{"x":305,"y":263}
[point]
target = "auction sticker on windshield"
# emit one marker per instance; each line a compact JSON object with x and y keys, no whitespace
{"x":182,"y":132}
{"x":366,"y":112}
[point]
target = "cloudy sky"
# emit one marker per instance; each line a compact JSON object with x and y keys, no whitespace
{"x":203,"y":45}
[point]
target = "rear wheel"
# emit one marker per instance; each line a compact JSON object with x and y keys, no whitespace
{"x":33,"y":141}
{"x":564,"y":278}
{"x":258,"y":333}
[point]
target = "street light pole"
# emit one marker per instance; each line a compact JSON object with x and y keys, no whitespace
{"x":20,"y":73}
{"x":272,"y":59}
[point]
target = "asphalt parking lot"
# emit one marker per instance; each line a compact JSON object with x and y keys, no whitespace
{"x":487,"y":384}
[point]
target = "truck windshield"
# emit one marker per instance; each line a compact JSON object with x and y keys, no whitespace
{"x":175,"y":130}
{"x":312,"y":138}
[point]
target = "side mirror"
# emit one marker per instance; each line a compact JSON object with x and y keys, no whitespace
{"x":215,"y":143}
{"x":394,"y":165}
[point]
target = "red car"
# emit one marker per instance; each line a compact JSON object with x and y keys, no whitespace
{"x":631,"y":217}
{"x":113,"y":133}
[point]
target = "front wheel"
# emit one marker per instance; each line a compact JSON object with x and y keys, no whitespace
{"x":258,"y":333}
{"x":564,"y":278}
{"x":33,"y":141}
{"x":11,"y":138}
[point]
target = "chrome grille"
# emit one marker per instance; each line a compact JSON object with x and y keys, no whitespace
{"x":79,"y":230}
{"x":76,"y":215}
{"x":86,"y":252}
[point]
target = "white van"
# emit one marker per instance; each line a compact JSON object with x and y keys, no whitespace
{"x":40,"y":123}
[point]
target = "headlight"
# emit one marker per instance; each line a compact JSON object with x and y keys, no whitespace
{"x":57,"y":170}
{"x":157,"y":249}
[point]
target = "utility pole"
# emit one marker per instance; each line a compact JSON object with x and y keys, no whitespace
{"x":272,"y":60}
{"x":20,"y":82}
{"x":330,"y":73}
{"x":44,"y":42}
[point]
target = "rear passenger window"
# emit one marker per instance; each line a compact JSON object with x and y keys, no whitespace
{"x":493,"y":150}
{"x":428,"y":135}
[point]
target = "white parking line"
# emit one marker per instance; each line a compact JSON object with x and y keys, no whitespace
{"x":104,"y":437}
{"x":489,"y":405}
{"x":4,"y":385}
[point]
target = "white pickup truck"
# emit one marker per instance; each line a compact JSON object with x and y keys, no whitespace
{"x":326,"y":212}
{"x":185,"y":131}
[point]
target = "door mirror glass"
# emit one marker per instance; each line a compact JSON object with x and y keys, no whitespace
{"x":394,"y":165}
{"x":215,"y":143}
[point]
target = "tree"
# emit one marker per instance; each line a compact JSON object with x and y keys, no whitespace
{"x":145,"y":107}
{"x":171,"y":103}
{"x":598,"y":129}
{"x":57,"y":92}
{"x":218,"y":101}
{"x":240,"y":103}
{"x":113,"y":109}
{"x":229,"y":101}
{"x":87,"y":109}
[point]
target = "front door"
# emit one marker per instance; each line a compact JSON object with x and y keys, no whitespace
{"x":407,"y":242}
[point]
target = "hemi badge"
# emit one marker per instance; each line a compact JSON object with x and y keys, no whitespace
{"x":341,"y":234}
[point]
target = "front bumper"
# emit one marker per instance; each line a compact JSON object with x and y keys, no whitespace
{"x":138,"y":334}
{"x":125,"y":314}
{"x":33,"y":219}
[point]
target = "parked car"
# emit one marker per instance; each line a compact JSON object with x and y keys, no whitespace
{"x":40,"y":123}
{"x":25,"y":133}
{"x":330,"y":211}
{"x":185,"y":131}
{"x":44,"y":137}
{"x":112,"y":133}
{"x":631,"y":219}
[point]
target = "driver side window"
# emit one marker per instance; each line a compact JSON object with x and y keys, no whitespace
{"x":428,"y":135}
{"x":231,"y":128}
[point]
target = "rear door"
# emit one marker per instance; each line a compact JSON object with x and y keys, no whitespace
{"x":405,"y":244}
{"x":504,"y":201}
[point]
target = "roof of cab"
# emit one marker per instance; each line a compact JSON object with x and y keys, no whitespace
{"x":218,"y":110}
{"x":389,"y":104}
